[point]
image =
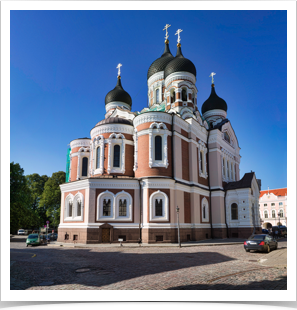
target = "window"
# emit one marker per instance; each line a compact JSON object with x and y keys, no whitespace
{"x":157,"y":95}
{"x":228,"y":169}
{"x":231,"y":166}
{"x":158,"y":148}
{"x":203,"y":213}
{"x":226,"y":137}
{"x":70,"y":208}
{"x":266,"y":214}
{"x":234,"y":211}
{"x":273,"y":213}
{"x":184,"y":94}
{"x":281,"y":213}
{"x":273,"y":204}
{"x":123,"y":207}
{"x":78,"y":211}
{"x":116,"y":156}
{"x":265,"y":204}
{"x":204,"y":204}
{"x":280,"y":203}
{"x":193,"y":98}
{"x":106,"y":207}
{"x":158,"y":207}
{"x":84,"y":172}
{"x":224,"y":172}
{"x":201,"y":161}
{"x":172,"y":96}
{"x":98,"y":157}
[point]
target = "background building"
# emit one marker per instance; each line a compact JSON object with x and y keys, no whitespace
{"x":271,"y":203}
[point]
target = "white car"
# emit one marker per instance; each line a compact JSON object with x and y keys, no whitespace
{"x":21,"y":232}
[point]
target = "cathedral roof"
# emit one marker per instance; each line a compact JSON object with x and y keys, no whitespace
{"x":214,"y":102}
{"x":179,"y":63}
{"x":118,"y":94}
{"x":245,"y":182}
{"x":115,"y":120}
{"x":159,"y":64}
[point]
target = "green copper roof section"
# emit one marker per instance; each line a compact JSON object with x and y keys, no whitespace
{"x":155,"y":107}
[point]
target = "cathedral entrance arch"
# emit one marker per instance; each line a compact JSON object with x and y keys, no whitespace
{"x":105,"y":233}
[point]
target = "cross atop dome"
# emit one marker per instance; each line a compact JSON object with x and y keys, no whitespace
{"x":119,"y":69}
{"x":178,"y":36}
{"x":211,"y":75}
{"x":166,"y":27}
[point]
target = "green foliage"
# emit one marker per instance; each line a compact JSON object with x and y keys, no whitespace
{"x":21,"y":215}
{"x":51,"y":197}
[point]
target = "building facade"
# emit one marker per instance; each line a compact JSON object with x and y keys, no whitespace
{"x":273,"y":207}
{"x":127,"y":179}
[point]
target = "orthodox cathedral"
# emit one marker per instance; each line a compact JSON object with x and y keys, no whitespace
{"x":141,"y":175}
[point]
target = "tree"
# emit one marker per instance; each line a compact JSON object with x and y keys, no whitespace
{"x":21,"y":215}
{"x":36,"y":185}
{"x":51,"y":197}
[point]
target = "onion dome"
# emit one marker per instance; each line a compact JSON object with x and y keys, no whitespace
{"x":118,"y":94}
{"x":159,"y":64}
{"x":115,"y":120}
{"x":179,"y":63}
{"x":214,"y":102}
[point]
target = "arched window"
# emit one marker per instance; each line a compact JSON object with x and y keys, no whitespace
{"x":273,"y":213}
{"x":228,"y":169}
{"x":193,"y":98}
{"x":70,"y":204}
{"x":106,"y":207}
{"x":234,"y":211}
{"x":266,"y":214}
{"x":281,"y":213}
{"x":201,"y":161}
{"x":157,"y":95}
{"x":158,"y":148}
{"x":123,"y":207}
{"x":116,"y":156}
{"x":159,"y":207}
{"x":84,"y":172}
{"x":98,"y":157}
{"x":204,"y":213}
{"x":172,"y":95}
{"x":184,"y":94}
{"x":78,"y":211}
{"x":224,"y":172}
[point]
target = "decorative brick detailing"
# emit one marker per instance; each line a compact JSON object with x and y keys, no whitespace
{"x":147,"y":126}
{"x":184,"y":133}
{"x":73,"y":168}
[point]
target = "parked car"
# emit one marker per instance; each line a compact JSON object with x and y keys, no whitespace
{"x":21,"y":232}
{"x":283,"y":231}
{"x":262,"y":242}
{"x":33,"y":239}
{"x":265,"y":231}
{"x":54,"y":236}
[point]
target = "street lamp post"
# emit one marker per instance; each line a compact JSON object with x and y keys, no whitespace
{"x":279,"y":214}
{"x":177,"y":211}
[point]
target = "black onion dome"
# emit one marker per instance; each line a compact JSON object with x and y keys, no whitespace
{"x":179,"y":63}
{"x":159,"y":64}
{"x":115,"y":120}
{"x":118,"y":94}
{"x":214,"y":102}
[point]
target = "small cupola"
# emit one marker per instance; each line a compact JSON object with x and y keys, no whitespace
{"x":118,"y":96}
{"x":214,"y":108}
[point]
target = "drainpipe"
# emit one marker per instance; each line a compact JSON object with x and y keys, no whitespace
{"x":140,"y":211}
{"x":210,"y":210}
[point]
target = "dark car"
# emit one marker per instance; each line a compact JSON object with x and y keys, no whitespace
{"x":265,"y":231}
{"x":262,"y":242}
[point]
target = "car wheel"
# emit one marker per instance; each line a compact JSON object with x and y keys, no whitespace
{"x":247,"y":250}
{"x":268,"y":249}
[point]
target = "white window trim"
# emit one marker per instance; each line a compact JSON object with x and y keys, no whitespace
{"x":202,"y":148}
{"x":114,"y":204}
{"x":204,"y":203}
{"x":112,"y":141}
{"x":267,"y":214}
{"x":238,"y":215}
{"x":98,"y":142}
{"x":135,"y":138}
{"x":82,"y":152}
{"x":274,"y":214}
{"x":158,"y":129}
{"x":165,"y":204}
{"x":74,"y":199}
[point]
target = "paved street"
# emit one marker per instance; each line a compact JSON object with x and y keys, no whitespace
{"x":197,"y":266}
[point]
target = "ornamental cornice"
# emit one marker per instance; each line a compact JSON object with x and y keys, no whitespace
{"x":149,"y":117}
{"x":155,"y":77}
{"x":215,"y":112}
{"x":181,"y":123}
{"x":180,"y":76}
{"x":112,"y":128}
{"x":115,"y":104}
{"x":227,"y":153}
{"x":80,"y":142}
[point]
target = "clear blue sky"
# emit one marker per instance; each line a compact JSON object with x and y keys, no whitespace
{"x":63,"y":63}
